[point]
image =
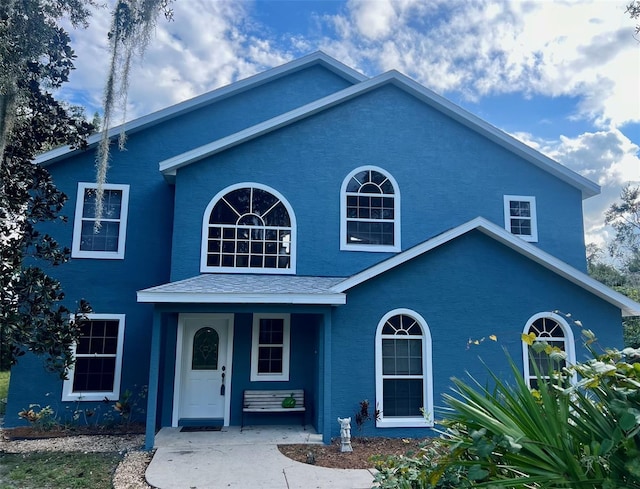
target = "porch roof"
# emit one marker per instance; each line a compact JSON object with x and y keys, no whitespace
{"x":230,"y":288}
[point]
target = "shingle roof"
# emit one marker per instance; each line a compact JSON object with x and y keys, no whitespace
{"x":245,"y":288}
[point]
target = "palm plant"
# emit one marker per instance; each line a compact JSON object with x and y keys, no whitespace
{"x":562,"y":435}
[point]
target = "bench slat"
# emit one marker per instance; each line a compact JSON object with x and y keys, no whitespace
{"x":270,"y":401}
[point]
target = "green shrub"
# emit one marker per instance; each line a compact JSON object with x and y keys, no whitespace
{"x":420,"y":471}
{"x":4,"y":390}
{"x":566,"y":434}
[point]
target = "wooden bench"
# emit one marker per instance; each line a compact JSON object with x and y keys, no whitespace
{"x":271,"y":402}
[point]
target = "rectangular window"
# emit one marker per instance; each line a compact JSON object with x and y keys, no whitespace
{"x":270,"y":347}
{"x":108,"y":241}
{"x":520,"y":216}
{"x":98,"y":353}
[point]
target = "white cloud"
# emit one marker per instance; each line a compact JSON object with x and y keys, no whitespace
{"x":583,"y":48}
{"x":606,"y":157}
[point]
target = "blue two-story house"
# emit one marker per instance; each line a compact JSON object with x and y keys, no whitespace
{"x":312,"y":228}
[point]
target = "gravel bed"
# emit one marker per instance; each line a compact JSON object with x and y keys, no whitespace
{"x":128,"y":475}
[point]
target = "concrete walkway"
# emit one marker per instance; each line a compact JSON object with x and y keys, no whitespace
{"x":248,"y":459}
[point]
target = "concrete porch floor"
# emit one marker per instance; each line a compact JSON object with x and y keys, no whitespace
{"x":231,"y":435}
{"x":242,"y":459}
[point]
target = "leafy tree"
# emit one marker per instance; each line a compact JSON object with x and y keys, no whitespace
{"x":36,"y":58}
{"x":624,"y":217}
{"x":633,"y":9}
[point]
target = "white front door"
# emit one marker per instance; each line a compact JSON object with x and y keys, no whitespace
{"x":204,"y":373}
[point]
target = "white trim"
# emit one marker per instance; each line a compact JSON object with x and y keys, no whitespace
{"x":175,"y":414}
{"x":533,"y":218}
{"x":344,"y":246}
{"x":427,"y":378}
{"x":230,"y":298}
{"x":568,"y":339}
{"x":628,"y":307}
{"x":67,"y":387}
{"x":586,"y":187}
{"x":205,"y":228}
{"x":286,"y":348}
{"x":131,"y":127}
{"x":76,"y":252}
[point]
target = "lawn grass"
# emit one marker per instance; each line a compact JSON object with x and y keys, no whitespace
{"x":57,"y":470}
{"x":4,"y":389}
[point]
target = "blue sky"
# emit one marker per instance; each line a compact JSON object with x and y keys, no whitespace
{"x":562,"y":76}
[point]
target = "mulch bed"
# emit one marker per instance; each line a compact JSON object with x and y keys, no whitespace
{"x":364,"y":450}
{"x":31,"y":433}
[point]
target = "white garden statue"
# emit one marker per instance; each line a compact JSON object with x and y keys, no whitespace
{"x":345,"y":434}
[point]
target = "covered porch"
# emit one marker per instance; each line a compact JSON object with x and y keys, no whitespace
{"x":216,"y":335}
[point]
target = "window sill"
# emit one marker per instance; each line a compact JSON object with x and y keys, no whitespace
{"x":99,"y":255}
{"x":269,"y":378}
{"x":417,"y":422}
{"x":90,"y":397}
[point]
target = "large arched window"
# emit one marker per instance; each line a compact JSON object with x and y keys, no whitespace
{"x":248,"y":227}
{"x":404,"y":385}
{"x":553,"y":329}
{"x":370,"y":211}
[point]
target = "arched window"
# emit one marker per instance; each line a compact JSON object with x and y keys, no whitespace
{"x":553,"y":329}
{"x":404,"y":383}
{"x":206,"y":342}
{"x":370,"y":211}
{"x":248,"y":227}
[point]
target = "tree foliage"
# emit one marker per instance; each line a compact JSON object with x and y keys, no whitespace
{"x":624,"y":217}
{"x":38,"y":58}
{"x":633,"y":9}
{"x":131,"y":27}
{"x":623,"y":273}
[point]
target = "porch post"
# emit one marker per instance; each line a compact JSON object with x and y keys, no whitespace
{"x":154,"y":375}
{"x":325,"y":380}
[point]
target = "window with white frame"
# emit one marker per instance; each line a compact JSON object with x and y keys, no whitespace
{"x":270,"y":347}
{"x":248,"y":227}
{"x":370,"y":211}
{"x":554,"y":330}
{"x":108,"y":239}
{"x":98,"y":359}
{"x":520,"y":216}
{"x":404,"y":381}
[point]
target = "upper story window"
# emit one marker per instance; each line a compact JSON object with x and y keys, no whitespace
{"x":109,"y":239}
{"x":98,"y":353}
{"x":370,"y":211}
{"x":248,"y":227}
{"x":520,"y":216}
{"x":404,"y":380}
{"x":554,"y":330}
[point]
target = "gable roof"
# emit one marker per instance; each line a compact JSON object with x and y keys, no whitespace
{"x":628,"y":307}
{"x":131,"y":127}
{"x":296,"y":289}
{"x":588,"y":188}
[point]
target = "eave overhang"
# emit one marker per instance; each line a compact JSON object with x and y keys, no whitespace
{"x":150,"y":120}
{"x":587,"y":188}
